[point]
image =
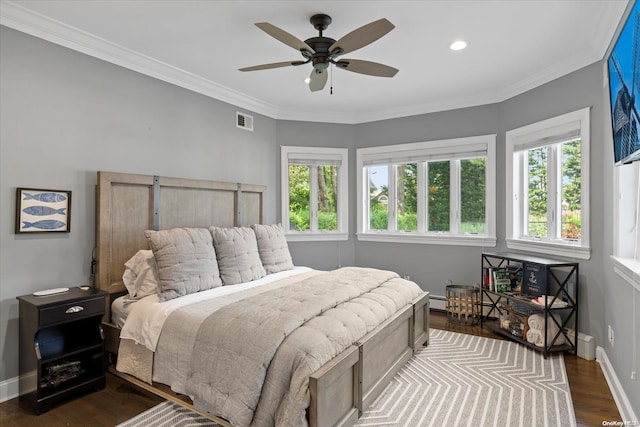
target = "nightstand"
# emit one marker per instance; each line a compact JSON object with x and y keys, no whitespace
{"x":61,"y":346}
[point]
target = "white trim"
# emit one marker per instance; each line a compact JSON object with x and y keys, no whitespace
{"x":628,"y":269}
{"x":524,"y":137}
{"x":23,"y":19}
{"x":318,"y":236}
{"x":428,"y":239}
{"x":455,"y":147}
{"x":9,"y":389}
{"x":626,"y":238}
{"x":549,"y":248}
{"x":316,"y":154}
{"x":619,"y":396}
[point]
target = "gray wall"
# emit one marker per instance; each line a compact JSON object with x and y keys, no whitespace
{"x":64,"y":116}
{"x":605,"y":299}
{"x":430,"y":266}
{"x":321,"y":255}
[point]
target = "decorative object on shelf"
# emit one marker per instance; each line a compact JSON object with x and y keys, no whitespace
{"x":550,"y":300}
{"x":533,"y":280}
{"x":536,"y":332}
{"x":463,"y":304}
{"x":40,"y":211}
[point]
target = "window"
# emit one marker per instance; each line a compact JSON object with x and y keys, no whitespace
{"x":626,"y":245}
{"x":547,"y":185}
{"x":314,"y":193}
{"x":438,"y":192}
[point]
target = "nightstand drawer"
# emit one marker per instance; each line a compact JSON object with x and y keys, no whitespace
{"x":71,"y":311}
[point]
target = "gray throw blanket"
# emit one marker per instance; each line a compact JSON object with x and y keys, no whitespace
{"x":267,"y":345}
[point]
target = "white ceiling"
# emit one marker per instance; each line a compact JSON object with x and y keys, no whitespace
{"x":513,"y":46}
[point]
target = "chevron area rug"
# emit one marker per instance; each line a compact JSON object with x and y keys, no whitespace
{"x":466,"y":380}
{"x":458,"y":380}
{"x":169,"y":414}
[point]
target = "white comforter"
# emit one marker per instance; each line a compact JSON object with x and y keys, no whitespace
{"x":147,"y":316}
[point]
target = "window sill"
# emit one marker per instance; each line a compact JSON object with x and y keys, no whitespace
{"x":548,"y":248}
{"x":628,"y":269}
{"x":431,"y":239}
{"x":316,"y":237}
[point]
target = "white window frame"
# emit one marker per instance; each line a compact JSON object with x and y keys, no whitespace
{"x":626,"y":236}
{"x":448,"y":149}
{"x":316,"y":155}
{"x":545,"y":133}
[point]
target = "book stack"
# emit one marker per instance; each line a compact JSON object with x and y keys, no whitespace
{"x":503,"y":279}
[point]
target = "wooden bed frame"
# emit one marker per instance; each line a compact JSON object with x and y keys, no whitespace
{"x":128,"y":204}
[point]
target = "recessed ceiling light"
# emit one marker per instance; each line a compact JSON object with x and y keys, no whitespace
{"x":458,"y":45}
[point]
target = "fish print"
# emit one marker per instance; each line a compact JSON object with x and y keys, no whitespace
{"x":43,"y":210}
{"x":45,"y":197}
{"x":47,"y":224}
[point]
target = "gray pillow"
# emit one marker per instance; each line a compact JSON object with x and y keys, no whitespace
{"x":186,"y":261}
{"x":237,"y":253}
{"x":273,"y":248}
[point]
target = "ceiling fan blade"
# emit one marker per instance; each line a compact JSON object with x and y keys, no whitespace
{"x":284,"y":37}
{"x":272,"y":65}
{"x":317,"y":80}
{"x":367,"y":67}
{"x":362,"y":36}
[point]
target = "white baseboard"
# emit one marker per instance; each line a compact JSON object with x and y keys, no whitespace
{"x":437,"y":302}
{"x":9,"y":389}
{"x":620,"y":397}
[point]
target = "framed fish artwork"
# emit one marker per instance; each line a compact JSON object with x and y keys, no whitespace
{"x":43,"y":211}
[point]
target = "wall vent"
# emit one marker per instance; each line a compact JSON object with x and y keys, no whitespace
{"x":244,"y":121}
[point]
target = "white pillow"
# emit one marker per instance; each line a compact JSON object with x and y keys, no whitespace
{"x":140,"y":275}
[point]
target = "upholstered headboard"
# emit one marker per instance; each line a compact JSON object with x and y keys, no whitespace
{"x":129,"y":204}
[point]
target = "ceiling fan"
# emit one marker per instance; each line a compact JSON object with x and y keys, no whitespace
{"x":322,"y":51}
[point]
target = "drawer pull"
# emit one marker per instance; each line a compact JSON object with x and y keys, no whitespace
{"x":74,"y":309}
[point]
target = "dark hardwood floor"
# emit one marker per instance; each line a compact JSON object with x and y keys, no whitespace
{"x":592,"y":399}
{"x":120,"y":401}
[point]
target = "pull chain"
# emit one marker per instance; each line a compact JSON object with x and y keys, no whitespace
{"x":331,"y":75}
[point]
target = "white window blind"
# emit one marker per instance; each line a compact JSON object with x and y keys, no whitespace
{"x":425,"y":154}
{"x":550,"y":134}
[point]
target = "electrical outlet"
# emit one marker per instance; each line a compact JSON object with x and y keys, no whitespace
{"x":633,"y":375}
{"x":610,"y":334}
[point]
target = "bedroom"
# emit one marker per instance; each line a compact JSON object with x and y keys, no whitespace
{"x":66,"y":115}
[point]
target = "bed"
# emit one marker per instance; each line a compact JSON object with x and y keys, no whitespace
{"x":138,"y":213}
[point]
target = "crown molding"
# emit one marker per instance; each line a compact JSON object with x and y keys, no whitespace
{"x":606,"y":32}
{"x":30,"y":22}
{"x":569,"y":65}
{"x":27,"y":21}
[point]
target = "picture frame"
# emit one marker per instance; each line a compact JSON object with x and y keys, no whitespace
{"x":43,"y":211}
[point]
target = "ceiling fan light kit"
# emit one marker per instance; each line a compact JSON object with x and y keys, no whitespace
{"x":322,"y":51}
